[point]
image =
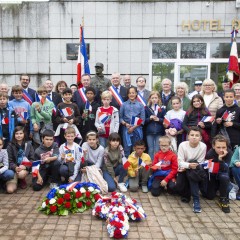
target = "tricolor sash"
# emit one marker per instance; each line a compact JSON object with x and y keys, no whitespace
{"x":27,"y":97}
{"x":82,"y":95}
{"x":54,"y":109}
{"x":116,"y":95}
{"x":141,"y":100}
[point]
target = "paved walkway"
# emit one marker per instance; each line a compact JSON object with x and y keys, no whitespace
{"x":167,"y":218}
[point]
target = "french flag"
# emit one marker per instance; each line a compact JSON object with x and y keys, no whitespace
{"x":136,"y":121}
{"x":26,"y":162}
{"x":142,"y":163}
{"x":207,"y":119}
{"x":88,"y":106}
{"x":103,"y":117}
{"x":66,"y":112}
{"x":155,"y":167}
{"x":157,"y":109}
{"x":5,"y":120}
{"x":225,"y":115}
{"x":166,"y":122}
{"x":82,"y":64}
{"x":35,"y":167}
{"x":24,"y":115}
{"x":125,"y":162}
{"x":213,"y":167}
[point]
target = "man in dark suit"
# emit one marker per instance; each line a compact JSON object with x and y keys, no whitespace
{"x":115,"y":80}
{"x":141,"y":83}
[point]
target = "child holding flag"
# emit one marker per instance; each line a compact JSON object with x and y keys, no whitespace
{"x":41,"y":114}
{"x":67,"y":115}
{"x":132,"y":117}
{"x":164,"y":168}
{"x":107,"y":119}
{"x":139,"y":169}
{"x":219,"y":157}
{"x":154,"y":114}
{"x":228,"y":119}
{"x":20,"y":155}
{"x":88,"y":112}
{"x":71,"y":156}
{"x":46,"y":157}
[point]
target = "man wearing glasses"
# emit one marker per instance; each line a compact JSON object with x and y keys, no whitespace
{"x":141,"y":83}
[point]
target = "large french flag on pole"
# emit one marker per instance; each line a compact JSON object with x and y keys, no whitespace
{"x":233,"y":71}
{"x":82,"y":64}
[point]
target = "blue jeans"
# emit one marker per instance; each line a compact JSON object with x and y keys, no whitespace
{"x":236,"y":174}
{"x":64,"y":172}
{"x":103,"y":141}
{"x":153,"y":144}
{"x":7,"y":175}
{"x":119,"y":171}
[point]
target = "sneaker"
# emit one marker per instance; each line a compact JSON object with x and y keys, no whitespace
{"x":223,"y":204}
{"x":53,"y":185}
{"x":121,"y":187}
{"x":144,"y":189}
{"x":22,"y":183}
{"x":196,"y":207}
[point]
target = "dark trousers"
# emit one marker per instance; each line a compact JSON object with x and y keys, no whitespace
{"x":47,"y":170}
{"x":156,"y":189}
{"x":64,"y":172}
{"x":219,"y":182}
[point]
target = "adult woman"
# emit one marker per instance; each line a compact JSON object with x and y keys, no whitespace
{"x":211,"y":99}
{"x":236,"y":88}
{"x":181,"y":90}
{"x":60,"y":86}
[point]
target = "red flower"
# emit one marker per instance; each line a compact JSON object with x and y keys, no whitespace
{"x":53,"y":208}
{"x":134,"y":201}
{"x":88,"y":203}
{"x":136,"y":215}
{"x":97,"y":196}
{"x":67,"y":205}
{"x":47,"y":201}
{"x":67,"y":196}
{"x":60,"y":201}
{"x":117,"y":234}
{"x":120,"y":216}
{"x":78,"y":194}
{"x":79,"y":205}
{"x":117,"y":224}
{"x":98,"y":209}
{"x":88,"y":194}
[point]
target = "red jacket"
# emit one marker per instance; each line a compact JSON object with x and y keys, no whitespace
{"x":168,"y":162}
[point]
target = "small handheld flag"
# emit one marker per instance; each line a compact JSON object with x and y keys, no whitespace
{"x":23,"y":115}
{"x":207,"y":119}
{"x":35,"y":167}
{"x":166,"y":122}
{"x":213,"y":167}
{"x":136,"y":121}
{"x":225,"y":115}
{"x":5,"y":120}
{"x":125,"y":163}
{"x":156,"y":109}
{"x":66,"y":112}
{"x":155,"y":167}
{"x":143,"y":164}
{"x":26,"y":162}
{"x":88,"y":106}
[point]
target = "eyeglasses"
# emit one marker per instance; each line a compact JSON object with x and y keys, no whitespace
{"x":208,"y":85}
{"x":236,"y":89}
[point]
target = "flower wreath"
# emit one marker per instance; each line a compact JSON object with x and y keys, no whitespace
{"x":74,"y":197}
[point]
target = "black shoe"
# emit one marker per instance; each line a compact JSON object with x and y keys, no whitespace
{"x":185,"y":200}
{"x":223,"y":204}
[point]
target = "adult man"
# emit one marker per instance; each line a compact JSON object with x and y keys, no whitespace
{"x":4,"y":88}
{"x":166,"y":92}
{"x":79,"y":96}
{"x":117,"y":90}
{"x":197,"y":89}
{"x":225,"y":86}
{"x":99,"y":82}
{"x":127,"y":81}
{"x":141,"y":83}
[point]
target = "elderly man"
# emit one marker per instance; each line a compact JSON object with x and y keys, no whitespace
{"x":127,"y":81}
{"x":141,"y":83}
{"x":119,"y":92}
{"x":166,"y":92}
{"x":99,"y":82}
{"x":4,"y":88}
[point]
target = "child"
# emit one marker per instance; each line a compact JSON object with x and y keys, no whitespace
{"x":41,"y":115}
{"x":48,"y":153}
{"x":219,"y":177}
{"x":228,"y":118}
{"x":107,"y":119}
{"x":71,"y":156}
{"x":175,"y":117}
{"x":138,"y":174}
{"x":154,"y":114}
{"x":22,"y":109}
{"x":93,"y":152}
{"x":8,"y":119}
{"x":5,"y":173}
{"x":131,"y":132}
{"x":191,"y":154}
{"x":67,"y":115}
{"x":112,"y":166}
{"x":19,"y":151}
{"x":164,"y":168}
{"x":88,"y":112}
{"x":194,"y":117}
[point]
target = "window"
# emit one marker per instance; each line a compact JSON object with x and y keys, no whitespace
{"x":164,"y":50}
{"x":221,"y":50}
{"x":193,"y":50}
{"x":161,"y":71}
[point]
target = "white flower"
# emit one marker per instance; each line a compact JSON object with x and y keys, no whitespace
{"x":123,"y":232}
{"x":133,"y":217}
{"x":105,"y":210}
{"x":82,"y":190}
{"x":43,"y":204}
{"x":52,"y":201}
{"x":121,"y":209}
{"x":75,"y":190}
{"x":91,"y":189}
{"x":140,"y":209}
{"x":61,"y":191}
{"x":93,"y":212}
{"x":97,"y":190}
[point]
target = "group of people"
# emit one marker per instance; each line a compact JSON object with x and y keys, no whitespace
{"x":190,"y":137}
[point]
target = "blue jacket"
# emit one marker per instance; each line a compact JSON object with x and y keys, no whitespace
{"x":153,"y":127}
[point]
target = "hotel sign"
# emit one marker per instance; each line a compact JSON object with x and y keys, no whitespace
{"x":211,"y":25}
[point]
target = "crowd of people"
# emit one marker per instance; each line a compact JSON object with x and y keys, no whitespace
{"x":175,"y":141}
